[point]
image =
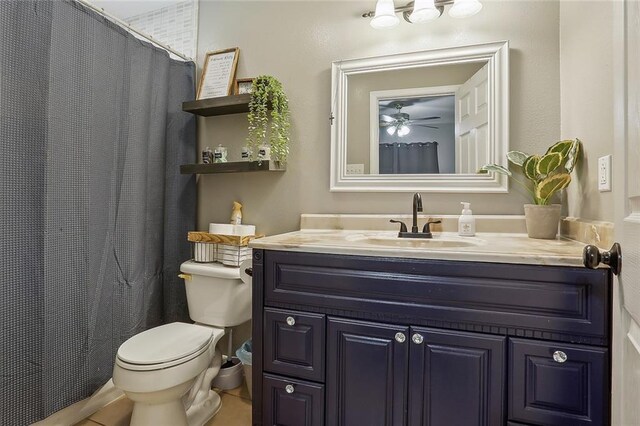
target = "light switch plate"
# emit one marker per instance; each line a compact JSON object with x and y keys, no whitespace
{"x":604,"y":173}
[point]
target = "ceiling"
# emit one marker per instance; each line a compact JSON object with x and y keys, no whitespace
{"x":127,"y":8}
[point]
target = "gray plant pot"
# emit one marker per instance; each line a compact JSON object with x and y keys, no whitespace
{"x":542,"y":221}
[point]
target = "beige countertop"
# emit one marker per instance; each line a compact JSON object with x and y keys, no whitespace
{"x":514,"y":248}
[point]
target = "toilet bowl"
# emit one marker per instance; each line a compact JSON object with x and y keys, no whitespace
{"x":167,"y":370}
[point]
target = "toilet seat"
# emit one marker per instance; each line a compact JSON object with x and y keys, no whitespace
{"x":164,"y":346}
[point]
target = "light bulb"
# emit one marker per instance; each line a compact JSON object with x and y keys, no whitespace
{"x":403,"y":130}
{"x":391,"y":130}
{"x":464,"y":8}
{"x":385,"y":16}
{"x":424,"y":11}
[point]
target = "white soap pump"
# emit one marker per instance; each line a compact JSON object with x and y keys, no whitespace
{"x":466,"y":223}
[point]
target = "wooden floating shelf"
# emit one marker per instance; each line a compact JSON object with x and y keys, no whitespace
{"x":224,"y":105}
{"x":235,"y":240}
{"x":234,"y":167}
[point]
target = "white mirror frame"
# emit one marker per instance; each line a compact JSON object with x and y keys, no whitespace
{"x":497,"y":56}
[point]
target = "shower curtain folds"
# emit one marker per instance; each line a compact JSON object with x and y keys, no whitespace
{"x":93,"y":210}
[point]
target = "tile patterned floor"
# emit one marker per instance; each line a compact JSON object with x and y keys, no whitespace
{"x":235,"y":411}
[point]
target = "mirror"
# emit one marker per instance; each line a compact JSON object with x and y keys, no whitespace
{"x":422,"y":121}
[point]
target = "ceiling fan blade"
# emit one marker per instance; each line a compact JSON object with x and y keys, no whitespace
{"x":386,"y":118}
{"x":383,"y":124}
{"x":424,"y":125}
{"x":425,"y":118}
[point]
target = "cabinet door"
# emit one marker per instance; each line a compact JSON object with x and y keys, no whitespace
{"x":290,"y":402}
{"x":558,"y":384}
{"x":366,"y":373}
{"x":294,"y":344}
{"x":456,"y":378}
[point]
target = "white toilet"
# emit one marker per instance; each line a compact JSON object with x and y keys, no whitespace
{"x":167,"y":371}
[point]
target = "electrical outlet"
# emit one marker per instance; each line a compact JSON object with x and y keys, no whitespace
{"x":604,"y":173}
{"x":355,"y":169}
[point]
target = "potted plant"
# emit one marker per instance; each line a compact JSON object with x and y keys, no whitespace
{"x":267,"y":93}
{"x":547,"y":175}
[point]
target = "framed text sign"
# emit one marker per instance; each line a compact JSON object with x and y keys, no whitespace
{"x":218,"y":73}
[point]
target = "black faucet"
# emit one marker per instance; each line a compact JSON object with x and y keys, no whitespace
{"x":417,"y":207}
{"x":426,"y":231}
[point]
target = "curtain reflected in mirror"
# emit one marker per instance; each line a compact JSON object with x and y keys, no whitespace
{"x":409,"y":158}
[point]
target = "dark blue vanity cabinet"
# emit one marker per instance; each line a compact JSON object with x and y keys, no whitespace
{"x":364,"y":341}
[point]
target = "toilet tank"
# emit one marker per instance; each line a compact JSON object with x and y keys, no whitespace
{"x":216,"y":295}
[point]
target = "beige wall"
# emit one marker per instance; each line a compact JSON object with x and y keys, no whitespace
{"x":586,"y":77}
{"x":297,"y":41}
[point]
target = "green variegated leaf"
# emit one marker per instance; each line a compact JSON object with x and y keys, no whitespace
{"x":529,"y":167}
{"x":548,"y":163}
{"x":517,"y":157}
{"x":545,"y":189}
{"x":494,"y":168}
{"x":573,"y":155}
{"x":562,"y":147}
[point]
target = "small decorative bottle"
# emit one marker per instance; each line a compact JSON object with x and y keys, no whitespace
{"x":220,"y":154}
{"x":264,"y":153}
{"x":245,"y":153}
{"x":207,"y":156}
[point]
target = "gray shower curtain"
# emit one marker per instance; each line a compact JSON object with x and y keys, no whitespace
{"x":93,"y":211}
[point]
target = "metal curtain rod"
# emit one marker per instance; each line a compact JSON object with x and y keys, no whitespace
{"x":128,"y":27}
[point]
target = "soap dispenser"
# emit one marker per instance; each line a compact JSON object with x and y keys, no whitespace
{"x":466,"y":223}
{"x":236,"y":214}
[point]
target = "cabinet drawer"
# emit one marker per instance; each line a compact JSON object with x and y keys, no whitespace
{"x":290,"y":402}
{"x":544,"y":391}
{"x":294,"y":343}
{"x":543,"y":302}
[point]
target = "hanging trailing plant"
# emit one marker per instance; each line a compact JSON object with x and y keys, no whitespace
{"x":267,"y":90}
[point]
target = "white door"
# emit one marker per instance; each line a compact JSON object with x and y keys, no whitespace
{"x":472,"y":119}
{"x":626,"y":289}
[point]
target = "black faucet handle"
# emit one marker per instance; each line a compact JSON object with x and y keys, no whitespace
{"x":403,"y":227}
{"x":426,"y":228}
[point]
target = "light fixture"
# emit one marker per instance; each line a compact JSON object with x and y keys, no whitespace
{"x":403,"y":130}
{"x":419,"y":11}
{"x":424,"y":11}
{"x":385,"y":15}
{"x":464,"y":8}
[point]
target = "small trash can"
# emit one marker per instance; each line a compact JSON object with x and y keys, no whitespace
{"x":244,"y":355}
{"x":230,"y":374}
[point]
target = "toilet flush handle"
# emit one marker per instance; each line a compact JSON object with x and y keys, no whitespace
{"x":184,"y":276}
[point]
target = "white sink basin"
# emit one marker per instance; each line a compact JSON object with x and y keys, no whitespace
{"x":436,"y":242}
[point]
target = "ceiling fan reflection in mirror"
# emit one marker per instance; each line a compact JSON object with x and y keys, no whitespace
{"x":399,"y":122}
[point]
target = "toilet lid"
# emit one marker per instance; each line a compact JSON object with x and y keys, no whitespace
{"x":165,"y":343}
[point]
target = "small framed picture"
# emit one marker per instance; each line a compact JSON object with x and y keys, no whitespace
{"x":244,"y":85}
{"x":218,"y":73}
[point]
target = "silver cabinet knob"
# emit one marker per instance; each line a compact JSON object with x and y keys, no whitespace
{"x":291,"y":321}
{"x":417,"y":338}
{"x":400,"y":337}
{"x":559,"y":356}
{"x":289,"y":388}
